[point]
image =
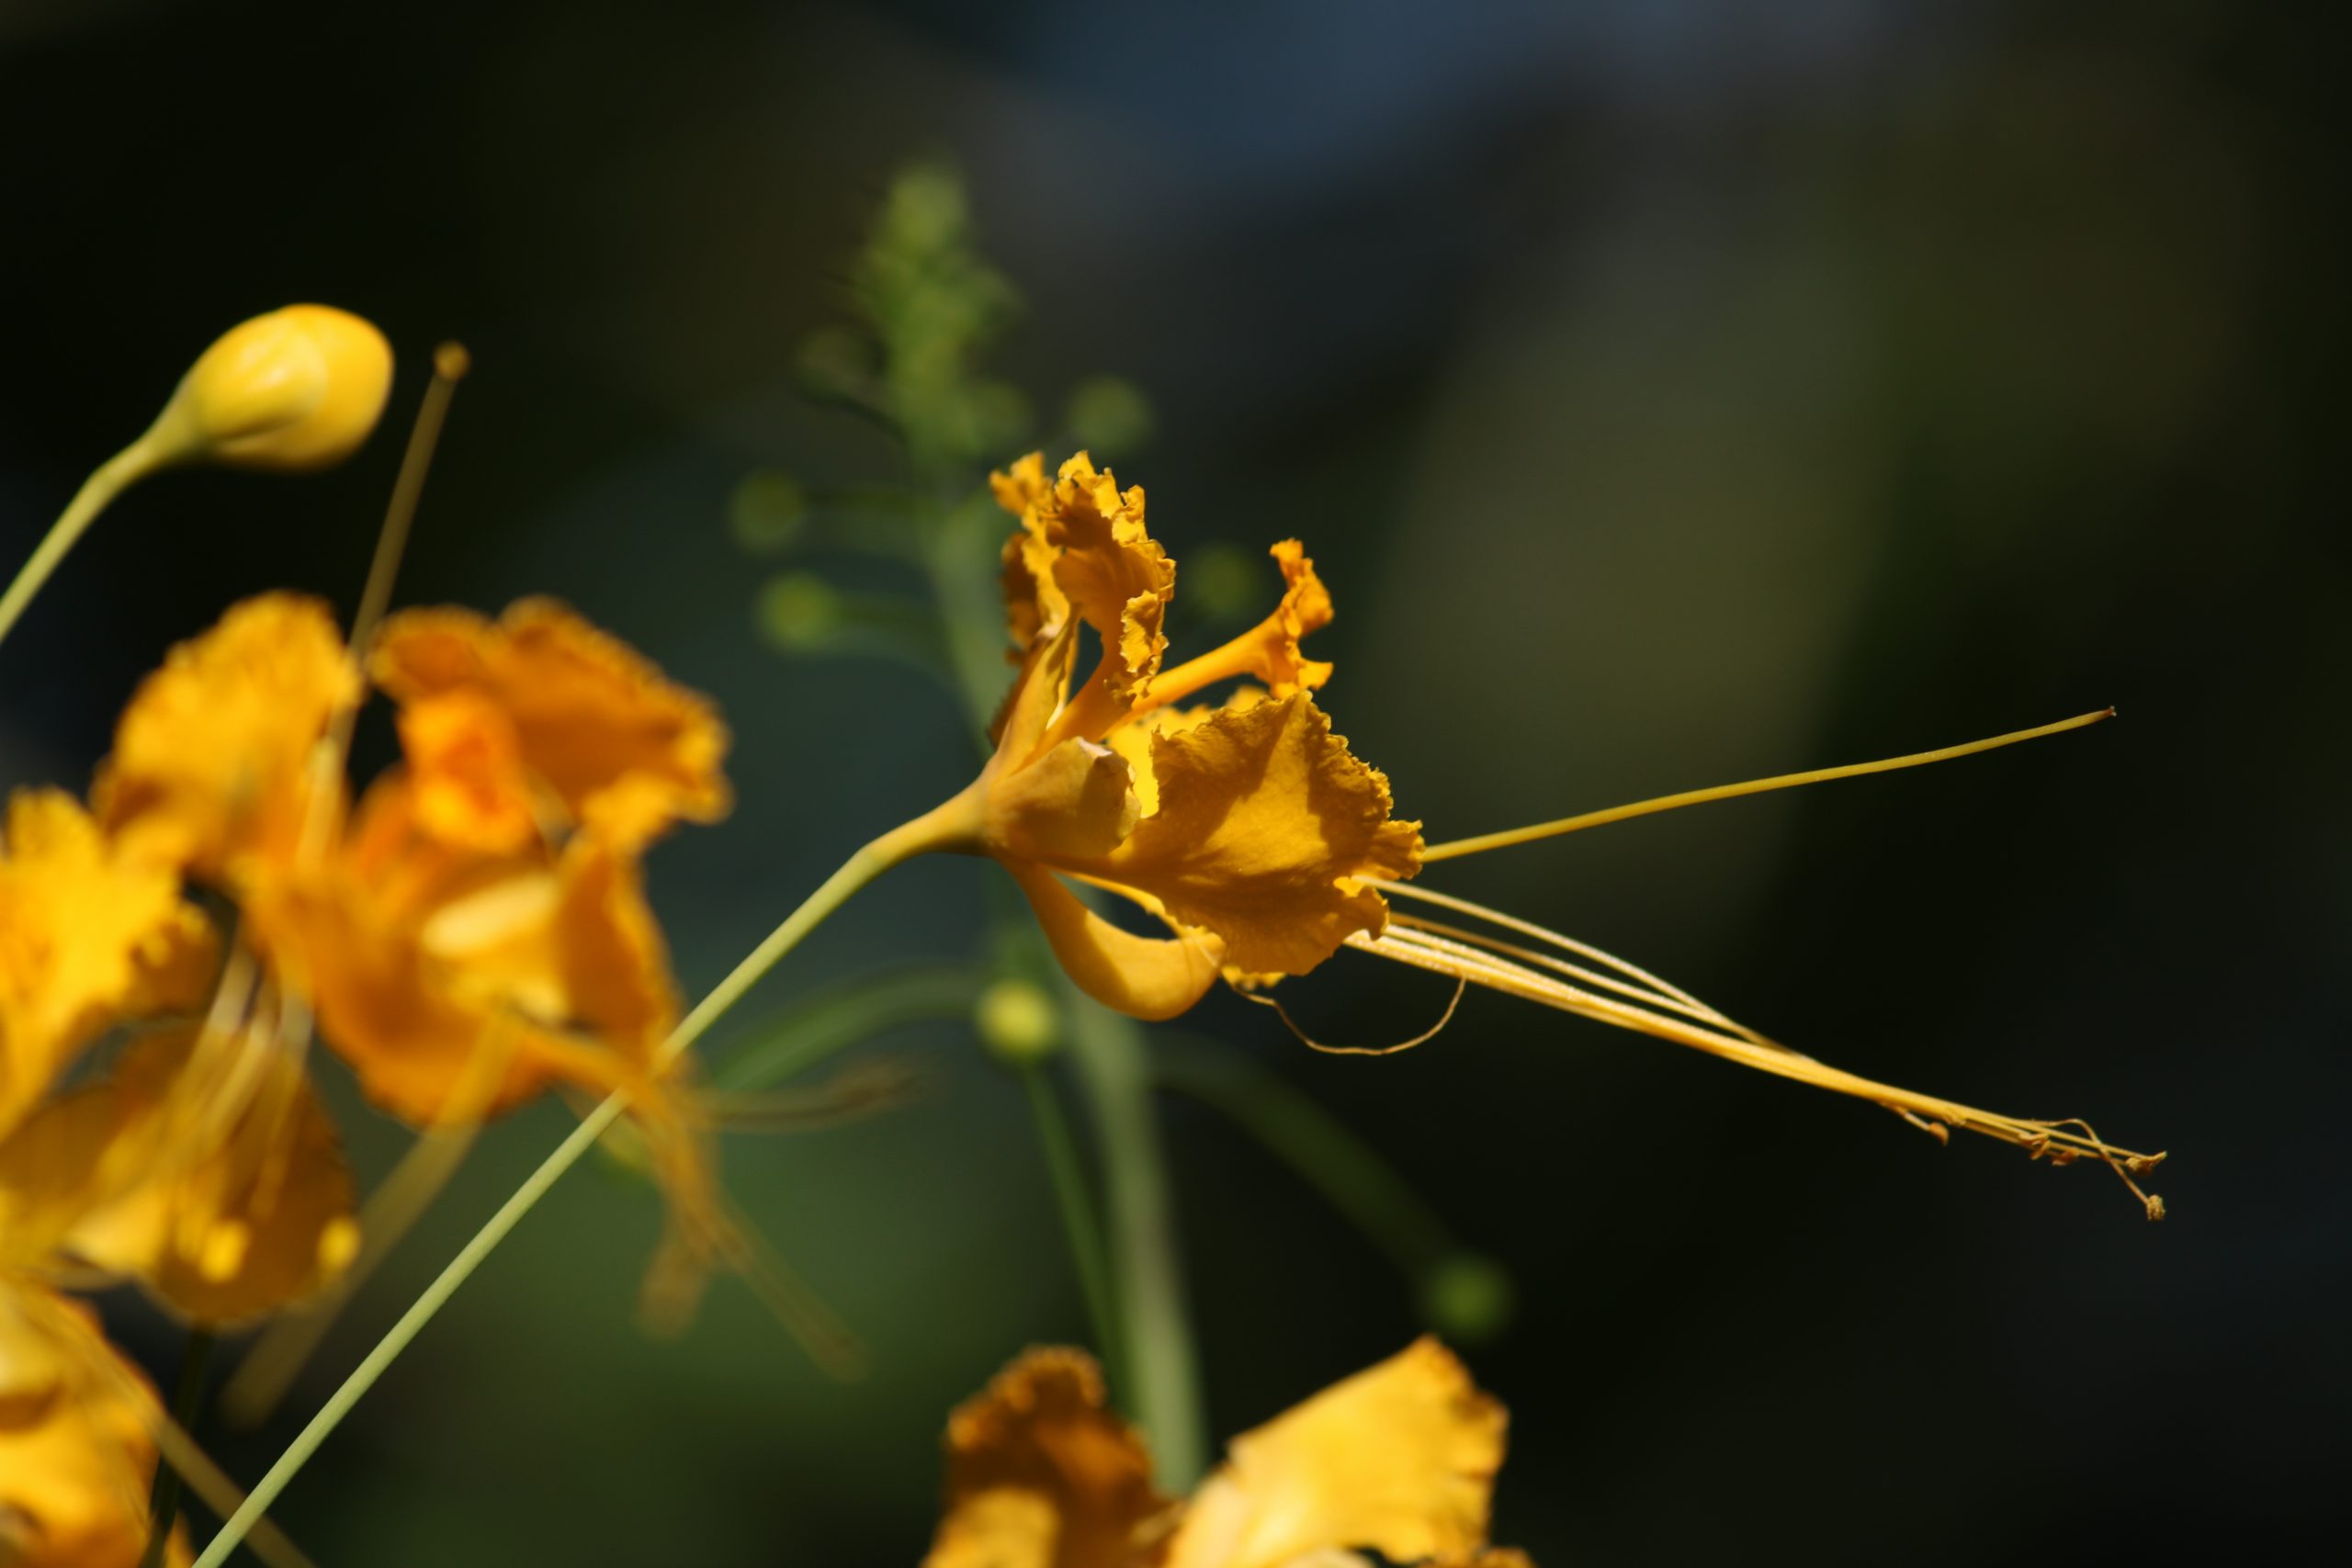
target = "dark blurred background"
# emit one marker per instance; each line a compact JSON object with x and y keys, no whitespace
{"x":1670,"y":394}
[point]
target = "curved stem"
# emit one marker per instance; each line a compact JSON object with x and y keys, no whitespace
{"x":1081,"y":1225}
{"x":110,"y":479}
{"x":923,"y":833}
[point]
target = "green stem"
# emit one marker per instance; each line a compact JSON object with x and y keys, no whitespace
{"x":924,"y":832}
{"x":1146,"y":1266}
{"x":110,"y":479}
{"x":1074,"y":1194}
{"x":164,"y":1506}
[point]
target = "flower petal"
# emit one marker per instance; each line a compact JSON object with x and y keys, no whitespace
{"x":75,"y":1460}
{"x":88,"y":936}
{"x":256,"y":1222}
{"x":466,"y":764}
{"x":211,"y":762}
{"x":626,"y":751}
{"x":1264,"y":820}
{"x":1142,"y":977}
{"x":1087,"y":538}
{"x":1399,"y":1460}
{"x":1040,"y":1475}
{"x":1267,"y":652}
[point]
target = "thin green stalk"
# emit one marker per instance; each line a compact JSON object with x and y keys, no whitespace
{"x":163,"y":1504}
{"x":923,"y":832}
{"x":1147,"y":1263}
{"x":110,"y":479}
{"x":1074,"y":1195}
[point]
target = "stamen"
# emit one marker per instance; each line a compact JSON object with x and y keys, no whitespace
{"x":1545,"y":960}
{"x":1423,"y":1038}
{"x":2055,"y":1139}
{"x":1566,"y":944}
{"x":1505,"y":839}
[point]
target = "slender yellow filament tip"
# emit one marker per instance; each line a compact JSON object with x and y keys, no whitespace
{"x":1510,"y":837}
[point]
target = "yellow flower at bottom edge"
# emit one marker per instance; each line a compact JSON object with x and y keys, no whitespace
{"x":1399,"y":1460}
{"x":1250,"y":827}
{"x":75,"y":1459}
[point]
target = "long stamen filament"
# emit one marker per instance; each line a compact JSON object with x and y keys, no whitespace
{"x":1565,"y":944}
{"x":1505,"y":839}
{"x":2055,"y":1139}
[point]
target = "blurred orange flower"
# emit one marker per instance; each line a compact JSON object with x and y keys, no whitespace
{"x":1399,"y":1460}
{"x":475,"y":931}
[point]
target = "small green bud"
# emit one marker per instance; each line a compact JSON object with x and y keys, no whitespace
{"x":799,"y":611}
{"x":1109,"y":415}
{"x":1468,"y":1299}
{"x":766,"y":511}
{"x":1018,"y":1023}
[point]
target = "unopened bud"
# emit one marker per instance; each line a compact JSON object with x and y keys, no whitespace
{"x":1467,"y":1298}
{"x":295,"y":389}
{"x":1017,"y":1021}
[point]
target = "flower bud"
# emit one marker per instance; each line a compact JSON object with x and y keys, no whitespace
{"x":297,"y":388}
{"x":1017,"y":1021}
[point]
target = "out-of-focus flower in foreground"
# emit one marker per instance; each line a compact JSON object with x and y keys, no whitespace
{"x":1398,"y":1460}
{"x":474,"y":931}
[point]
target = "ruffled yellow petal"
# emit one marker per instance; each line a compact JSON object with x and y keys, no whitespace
{"x":1086,"y":538}
{"x":1033,"y":603}
{"x":75,"y":1460}
{"x":1399,"y":1460}
{"x":88,"y":936}
{"x":628,"y":752}
{"x":1040,"y":1475}
{"x":211,"y":762}
{"x":262,"y":1219}
{"x":1269,"y":651}
{"x":1265,"y":821}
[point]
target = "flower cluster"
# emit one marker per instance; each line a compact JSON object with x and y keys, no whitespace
{"x":468,"y":933}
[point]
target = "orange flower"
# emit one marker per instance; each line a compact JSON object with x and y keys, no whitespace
{"x":1248,"y":827}
{"x":475,"y":930}
{"x":121,"y":1178}
{"x":1399,"y":1460}
{"x":75,"y":1459}
{"x":1260,"y":840}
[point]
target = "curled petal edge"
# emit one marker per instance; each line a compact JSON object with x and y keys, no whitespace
{"x":1145,"y":977}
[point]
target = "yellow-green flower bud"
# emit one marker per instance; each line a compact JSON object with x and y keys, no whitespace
{"x":297,"y":388}
{"x":1017,"y":1021}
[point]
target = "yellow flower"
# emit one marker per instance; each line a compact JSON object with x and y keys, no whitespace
{"x":1247,"y":827}
{"x":1254,"y":834}
{"x":75,"y":1459}
{"x":88,"y":936}
{"x":475,"y":931}
{"x":1399,"y":1460}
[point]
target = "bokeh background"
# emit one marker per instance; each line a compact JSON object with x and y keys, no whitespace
{"x":1671,"y":393}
